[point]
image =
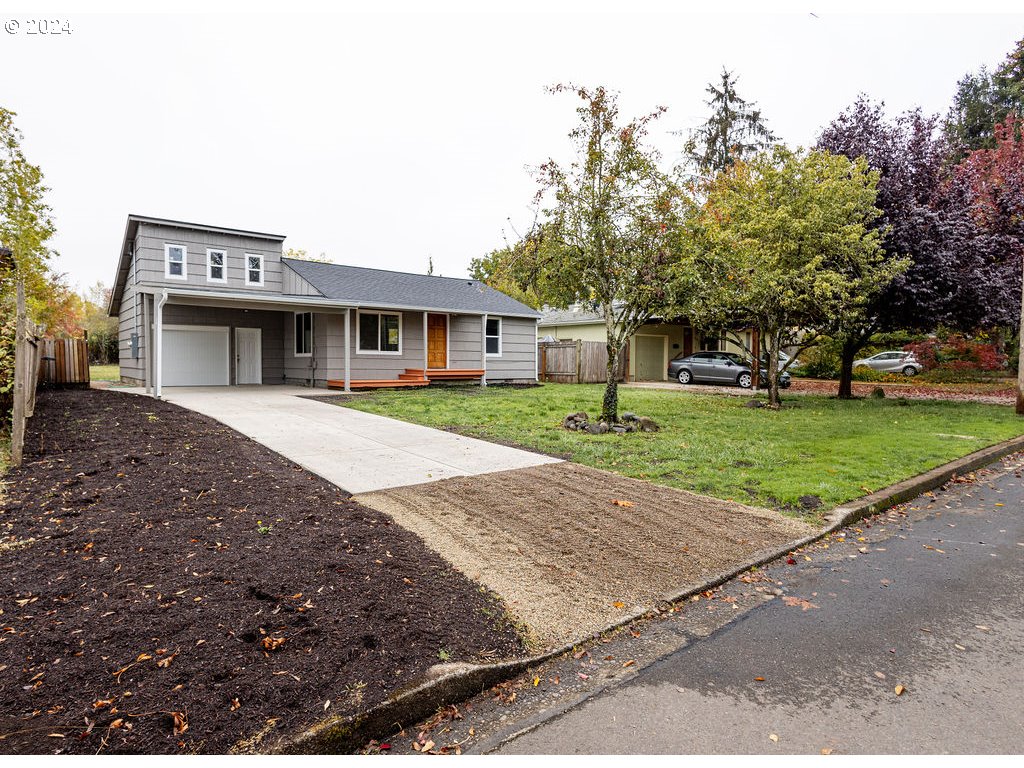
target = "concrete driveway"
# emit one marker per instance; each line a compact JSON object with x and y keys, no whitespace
{"x":356,"y":451}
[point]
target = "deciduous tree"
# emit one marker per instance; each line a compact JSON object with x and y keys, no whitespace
{"x":793,"y":248}
{"x":609,"y":228}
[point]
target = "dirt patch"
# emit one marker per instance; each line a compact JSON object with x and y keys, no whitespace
{"x":188,"y":588}
{"x":573,"y":549}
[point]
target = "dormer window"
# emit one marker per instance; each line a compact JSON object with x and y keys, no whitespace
{"x":175,"y":261}
{"x":253,"y":269}
{"x":216,"y":265}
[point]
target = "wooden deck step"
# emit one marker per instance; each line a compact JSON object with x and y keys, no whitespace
{"x":447,"y":374}
{"x":412,"y":377}
{"x":376,"y":383}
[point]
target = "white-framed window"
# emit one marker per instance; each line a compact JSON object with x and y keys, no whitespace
{"x":379,"y":333}
{"x":253,"y":269}
{"x":216,"y":265}
{"x":303,"y":334}
{"x":492,"y":337}
{"x":175,"y":261}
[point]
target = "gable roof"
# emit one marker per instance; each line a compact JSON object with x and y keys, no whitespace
{"x":384,"y":288}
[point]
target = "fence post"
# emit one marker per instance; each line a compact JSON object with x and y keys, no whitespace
{"x":543,"y":362}
{"x":20,"y":364}
{"x":579,"y":361}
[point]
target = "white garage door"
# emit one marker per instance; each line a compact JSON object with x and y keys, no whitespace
{"x":195,"y":356}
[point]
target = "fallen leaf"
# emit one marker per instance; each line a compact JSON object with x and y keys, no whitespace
{"x":327,"y":704}
{"x":144,"y":657}
{"x":899,"y":689}
{"x":983,"y":628}
{"x":880,"y":675}
{"x":759,"y":679}
{"x":790,"y":561}
{"x":536,"y":682}
{"x":271,"y":643}
{"x":629,"y":663}
{"x":623,"y":503}
{"x":618,"y":604}
{"x":428,"y":746}
{"x":180,"y":723}
{"x":959,"y":647}
{"x":117,"y":723}
{"x":773,"y":737}
{"x":235,"y":704}
{"x":166,"y":661}
{"x":826,"y":751}
{"x":793,"y":602}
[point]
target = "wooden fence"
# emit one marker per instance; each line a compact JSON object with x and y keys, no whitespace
{"x":26,"y":362}
{"x":577,"y":362}
{"x":64,"y":362}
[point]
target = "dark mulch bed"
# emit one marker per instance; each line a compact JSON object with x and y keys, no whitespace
{"x":151,"y":614}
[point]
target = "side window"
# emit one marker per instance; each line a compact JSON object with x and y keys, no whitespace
{"x":303,"y":334}
{"x":216,"y":265}
{"x":175,"y":261}
{"x":379,"y":332}
{"x":493,"y":336}
{"x":253,"y":269}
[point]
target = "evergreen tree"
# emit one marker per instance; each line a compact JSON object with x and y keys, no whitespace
{"x":735,"y":130}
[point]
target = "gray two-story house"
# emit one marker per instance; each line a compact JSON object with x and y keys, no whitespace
{"x":201,"y":305}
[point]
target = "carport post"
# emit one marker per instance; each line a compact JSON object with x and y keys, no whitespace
{"x":158,"y":346}
{"x":483,"y":349}
{"x":426,"y":345}
{"x":348,"y":344}
{"x":147,"y":344}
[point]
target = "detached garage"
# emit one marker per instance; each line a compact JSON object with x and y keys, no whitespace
{"x":195,"y":356}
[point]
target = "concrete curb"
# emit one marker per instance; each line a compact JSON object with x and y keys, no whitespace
{"x":451,"y":683}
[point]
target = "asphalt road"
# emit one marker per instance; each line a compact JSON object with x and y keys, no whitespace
{"x":808,"y":655}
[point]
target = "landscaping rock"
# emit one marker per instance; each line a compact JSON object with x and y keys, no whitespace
{"x":619,"y":429}
{"x":577,"y":421}
{"x":647,"y":424}
{"x":629,"y":418}
{"x":597,"y":429}
{"x":877,"y":393}
{"x":753,"y":404}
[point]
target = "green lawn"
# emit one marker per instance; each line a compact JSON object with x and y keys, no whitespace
{"x":814,"y":446}
{"x":104,"y":372}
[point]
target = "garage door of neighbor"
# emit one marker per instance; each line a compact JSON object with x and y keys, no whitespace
{"x":650,"y":358}
{"x":195,"y":356}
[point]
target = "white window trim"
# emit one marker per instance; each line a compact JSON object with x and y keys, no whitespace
{"x":246,"y":264}
{"x":224,"y":265}
{"x":401,"y":333}
{"x":167,"y":262}
{"x":295,"y":335}
{"x":486,"y":337}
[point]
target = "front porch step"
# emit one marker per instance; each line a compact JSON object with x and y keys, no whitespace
{"x":376,"y":383}
{"x":412,"y":376}
{"x":447,"y":374}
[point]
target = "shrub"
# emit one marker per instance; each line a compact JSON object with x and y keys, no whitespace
{"x":957,"y":353}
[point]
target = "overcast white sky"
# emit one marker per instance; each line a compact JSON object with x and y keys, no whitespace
{"x":382,"y":140}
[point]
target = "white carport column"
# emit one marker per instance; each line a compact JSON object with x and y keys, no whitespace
{"x":348,"y":354}
{"x":158,"y":346}
{"x":426,"y":346}
{"x":147,"y":341}
{"x":483,"y":350}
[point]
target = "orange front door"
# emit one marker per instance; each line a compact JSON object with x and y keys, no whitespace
{"x":437,"y":341}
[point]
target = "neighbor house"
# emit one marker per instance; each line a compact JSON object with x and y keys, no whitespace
{"x":201,"y":305}
{"x":649,"y":350}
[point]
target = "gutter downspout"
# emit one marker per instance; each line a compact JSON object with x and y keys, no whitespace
{"x":158,"y":346}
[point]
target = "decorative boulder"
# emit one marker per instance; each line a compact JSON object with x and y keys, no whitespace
{"x":647,"y":424}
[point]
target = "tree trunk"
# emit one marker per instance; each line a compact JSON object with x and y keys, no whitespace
{"x":1020,"y":358}
{"x":850,"y":349}
{"x":774,"y":401}
{"x":610,"y":404}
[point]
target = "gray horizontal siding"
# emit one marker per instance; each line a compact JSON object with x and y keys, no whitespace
{"x":518,"y":351}
{"x":150,"y":252}
{"x":130,"y":321}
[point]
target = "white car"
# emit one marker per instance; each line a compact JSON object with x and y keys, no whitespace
{"x":891,"y":362}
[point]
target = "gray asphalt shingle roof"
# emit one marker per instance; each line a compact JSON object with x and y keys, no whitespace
{"x":382,"y":288}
